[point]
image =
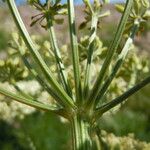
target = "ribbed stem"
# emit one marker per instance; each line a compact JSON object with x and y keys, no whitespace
{"x":75,"y":53}
{"x":61,"y":68}
{"x":80,"y":133}
{"x":90,"y":55}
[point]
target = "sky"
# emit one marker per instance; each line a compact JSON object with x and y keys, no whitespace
{"x":20,"y":1}
{"x":76,"y":1}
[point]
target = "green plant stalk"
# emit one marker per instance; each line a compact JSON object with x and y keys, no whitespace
{"x":118,"y":63}
{"x":107,"y":13}
{"x":68,"y":102}
{"x":106,"y":107}
{"x":80,"y":133}
{"x":75,"y":53}
{"x":28,"y":101}
{"x":42,"y":82}
{"x":114,"y":45}
{"x":90,"y":54}
{"x":61,"y":68}
{"x":87,"y":2}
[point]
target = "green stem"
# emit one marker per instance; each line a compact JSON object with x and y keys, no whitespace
{"x":68,"y":102}
{"x":28,"y":101}
{"x":75,"y":53}
{"x":42,"y":82}
{"x":87,"y":2}
{"x":80,"y":134}
{"x":99,"y":111}
{"x":61,"y":68}
{"x":118,"y":63}
{"x":114,"y":45}
{"x":90,"y":55}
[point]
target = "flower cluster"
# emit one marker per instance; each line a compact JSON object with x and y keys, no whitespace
{"x":99,"y":49}
{"x":49,"y":9}
{"x":12,"y":70}
{"x":92,"y":10}
{"x":140,"y":14}
{"x":12,"y":110}
{"x":110,"y":141}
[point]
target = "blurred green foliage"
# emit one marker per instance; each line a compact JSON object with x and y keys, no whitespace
{"x":133,"y":117}
{"x":3,"y":39}
{"x":22,"y":135}
{"x":52,"y":133}
{"x":8,"y":138}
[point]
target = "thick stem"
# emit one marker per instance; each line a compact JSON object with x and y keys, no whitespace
{"x":81,"y":133}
